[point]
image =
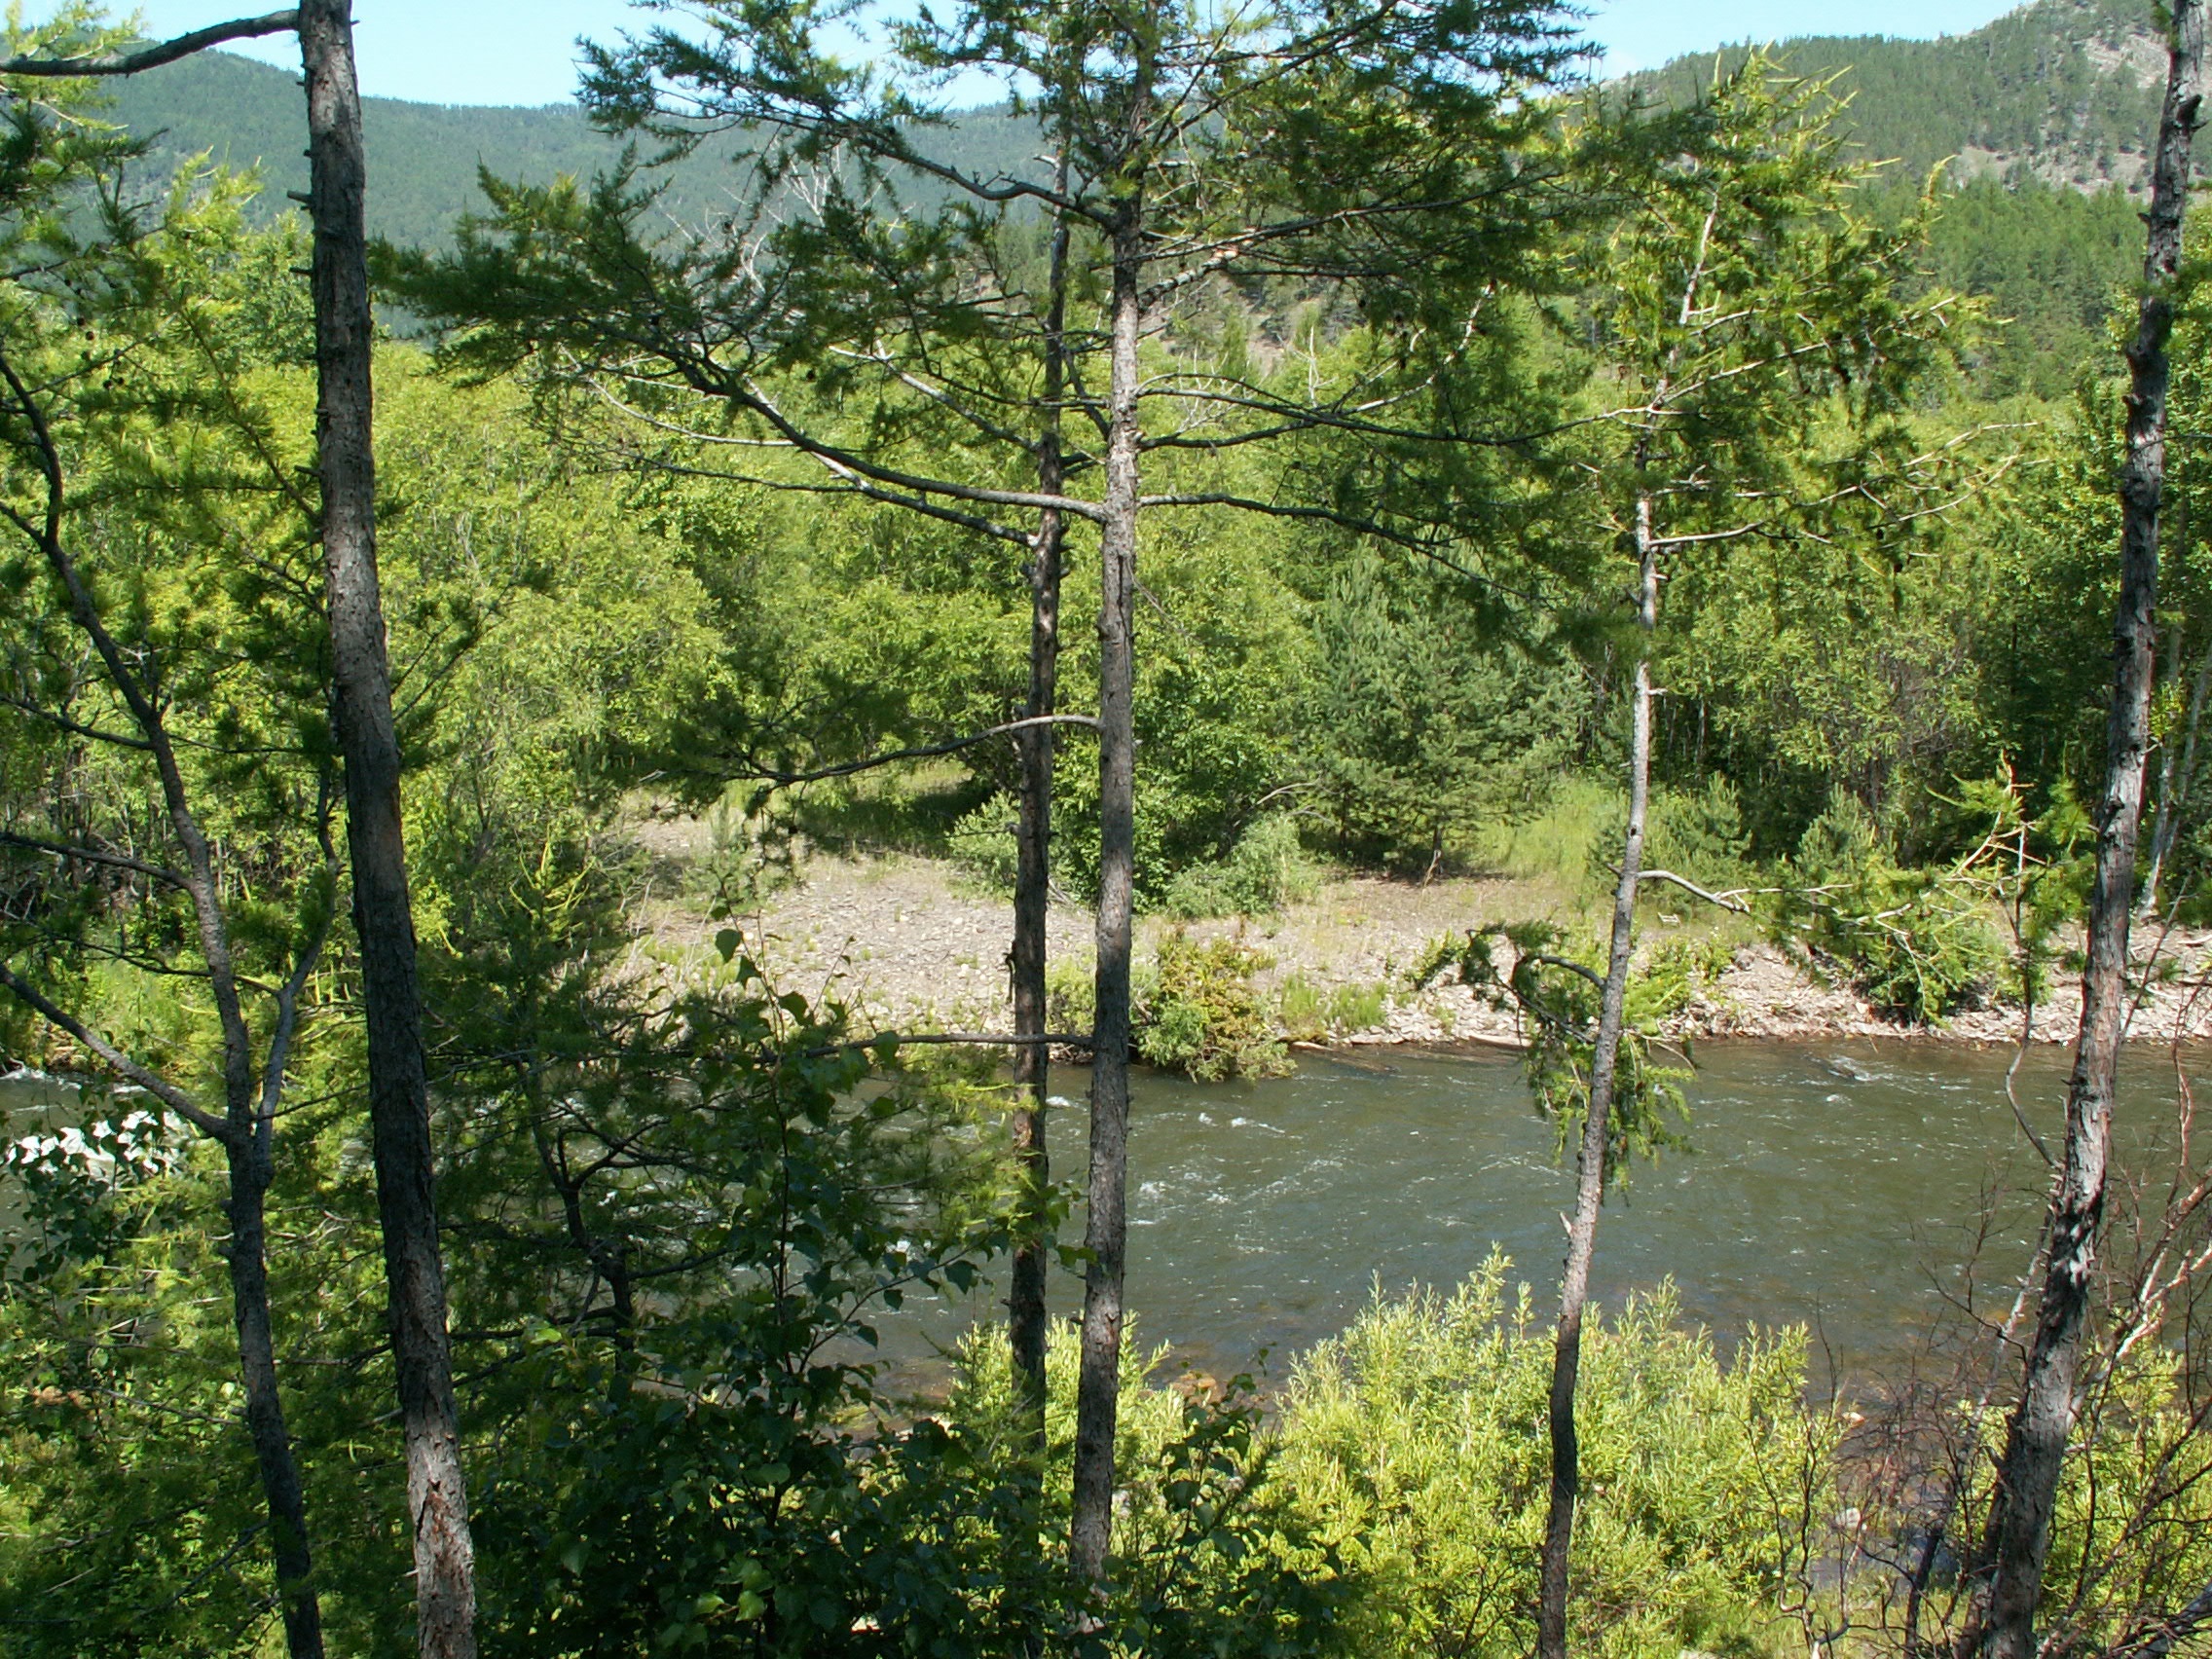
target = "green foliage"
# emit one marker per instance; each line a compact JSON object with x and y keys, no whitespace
{"x":1416,"y":1443}
{"x":675,"y":1204}
{"x":1203,"y":1014}
{"x":1916,"y":943}
{"x":1213,"y":1555}
{"x":1307,"y":1012}
{"x":1555,"y":996}
{"x":1071,"y":993}
{"x":984,"y":843}
{"x":1426,"y":725}
{"x":729,"y":1200}
{"x":1267,"y":869}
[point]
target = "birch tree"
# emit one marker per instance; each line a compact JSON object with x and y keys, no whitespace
{"x":2008,"y":1570}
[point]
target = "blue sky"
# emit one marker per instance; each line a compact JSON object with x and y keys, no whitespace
{"x":521,"y":52}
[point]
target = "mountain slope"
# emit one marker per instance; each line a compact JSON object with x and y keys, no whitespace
{"x":424,"y":158}
{"x":2064,"y":91}
{"x":2061,"y":91}
{"x":2046,"y":112}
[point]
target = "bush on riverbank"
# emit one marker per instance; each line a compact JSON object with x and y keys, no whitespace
{"x":1204,"y":1015}
{"x":1419,"y":1437}
{"x":1392,"y":1509}
{"x":1898,"y":936}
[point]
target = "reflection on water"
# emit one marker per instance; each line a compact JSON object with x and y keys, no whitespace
{"x":1840,"y":1185}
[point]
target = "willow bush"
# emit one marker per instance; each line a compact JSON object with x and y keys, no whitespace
{"x":1416,"y":1440}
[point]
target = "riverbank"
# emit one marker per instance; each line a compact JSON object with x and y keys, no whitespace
{"x":909,"y":944}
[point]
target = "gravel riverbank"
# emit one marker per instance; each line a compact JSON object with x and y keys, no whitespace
{"x":906,"y":943}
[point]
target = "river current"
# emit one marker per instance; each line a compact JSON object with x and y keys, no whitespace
{"x":1840,"y":1185}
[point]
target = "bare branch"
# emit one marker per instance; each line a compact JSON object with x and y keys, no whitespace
{"x":76,"y":728}
{"x":125,"y":1067}
{"x":1732,"y":900}
{"x":923,"y":751}
{"x":980,"y":1038}
{"x":1596,"y":979}
{"x":154,"y":57}
{"x":2169,"y":1631}
{"x":92,"y":855}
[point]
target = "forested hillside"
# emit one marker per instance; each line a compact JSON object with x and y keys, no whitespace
{"x":2060,"y":91}
{"x":606,"y":900}
{"x":2064,"y":91}
{"x":2043,"y":111}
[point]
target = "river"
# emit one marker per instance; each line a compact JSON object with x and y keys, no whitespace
{"x":1840,"y":1185}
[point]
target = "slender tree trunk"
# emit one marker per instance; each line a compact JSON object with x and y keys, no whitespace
{"x":2162,"y":823}
{"x":1590,"y":1182}
{"x":361,"y":697}
{"x":248,"y":1257}
{"x":2176,"y":783}
{"x":241,"y":1131}
{"x":1090,"y":1533}
{"x":1033,"y":874}
{"x":2002,"y":1611}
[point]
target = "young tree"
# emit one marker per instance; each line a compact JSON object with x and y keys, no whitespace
{"x":120,"y":662}
{"x":1339,"y":149}
{"x":1752,"y":349}
{"x":2001,"y":1617}
{"x":362,"y":705}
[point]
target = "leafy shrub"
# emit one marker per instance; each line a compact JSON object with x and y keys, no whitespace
{"x":1357,"y":1007}
{"x":1211,"y":1557}
{"x":1914,"y":942}
{"x":1302,"y":1009}
{"x":1071,"y":993}
{"x":1672,"y":974}
{"x":1267,"y":869}
{"x":1698,"y":835}
{"x":1307,"y":1012}
{"x":984,"y":843}
{"x":1204,"y":1015}
{"x":684,"y":1477}
{"x":750,"y":855}
{"x":1416,"y":1442}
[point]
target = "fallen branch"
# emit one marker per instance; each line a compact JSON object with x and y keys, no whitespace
{"x":1732,"y":900}
{"x":980,"y":1039}
{"x":927,"y":750}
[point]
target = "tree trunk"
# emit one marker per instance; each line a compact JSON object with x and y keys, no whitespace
{"x":2176,"y":783}
{"x":1090,"y":1533}
{"x":2162,"y":822}
{"x":361,"y":701}
{"x":248,"y":1257}
{"x":2002,"y":1614}
{"x":1033,"y":875}
{"x":241,"y":1131}
{"x":1590,"y":1182}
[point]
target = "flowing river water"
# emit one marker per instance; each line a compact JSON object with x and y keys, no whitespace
{"x":1842,"y":1185}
